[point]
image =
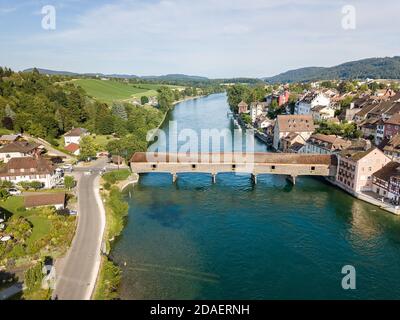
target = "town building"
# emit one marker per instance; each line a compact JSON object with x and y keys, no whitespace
{"x":28,"y":169}
{"x":309,"y":101}
{"x":264,"y":122}
{"x":321,"y":113}
{"x":256,"y":110}
{"x":9,"y":138}
{"x":325,"y":144}
{"x":392,"y":148}
{"x":357,"y":164}
{"x":386,"y":181}
{"x":380,"y":132}
{"x":302,"y":125}
{"x":19,"y":149}
{"x":368,"y":127}
{"x":292,"y":143}
{"x":392,"y":126}
{"x":75,"y":135}
{"x":243,"y":107}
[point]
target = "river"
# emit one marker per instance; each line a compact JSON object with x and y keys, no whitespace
{"x":233,"y":240}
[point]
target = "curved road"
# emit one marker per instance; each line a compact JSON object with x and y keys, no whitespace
{"x":77,"y":271}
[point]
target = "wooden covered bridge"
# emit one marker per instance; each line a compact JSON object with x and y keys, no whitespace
{"x":289,"y":164}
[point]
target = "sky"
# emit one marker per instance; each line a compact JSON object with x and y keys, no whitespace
{"x":213,"y":38}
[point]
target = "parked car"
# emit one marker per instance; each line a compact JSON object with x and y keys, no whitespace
{"x":67,"y":167}
{"x":14,"y":192}
{"x":73,"y":212}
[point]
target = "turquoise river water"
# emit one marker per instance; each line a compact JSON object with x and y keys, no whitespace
{"x":233,"y":240}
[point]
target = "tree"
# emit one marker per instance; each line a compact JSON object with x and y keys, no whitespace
{"x":144,"y":100}
{"x":246,"y":118}
{"x":257,"y":94}
{"x":69,"y":182}
{"x":346,"y":86}
{"x":87,"y":148}
{"x":236,"y":94}
{"x":4,"y":194}
{"x":165,"y":98}
{"x":119,"y":111}
{"x":5,"y":184}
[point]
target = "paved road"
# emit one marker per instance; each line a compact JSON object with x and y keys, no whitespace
{"x":77,"y":272}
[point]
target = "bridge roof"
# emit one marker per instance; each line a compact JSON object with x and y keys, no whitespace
{"x":258,"y":158}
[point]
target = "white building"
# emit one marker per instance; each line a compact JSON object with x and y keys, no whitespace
{"x":302,"y":125}
{"x":325,"y":144}
{"x":28,"y":169}
{"x":309,"y":101}
{"x":256,"y":110}
{"x":18,"y":149}
{"x":320,"y":113}
{"x":75,"y":135}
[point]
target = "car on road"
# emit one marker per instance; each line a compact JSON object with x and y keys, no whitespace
{"x":14,"y":192}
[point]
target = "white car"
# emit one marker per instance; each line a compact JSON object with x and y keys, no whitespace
{"x":14,"y":192}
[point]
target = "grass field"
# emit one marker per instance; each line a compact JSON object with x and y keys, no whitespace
{"x":109,"y":90}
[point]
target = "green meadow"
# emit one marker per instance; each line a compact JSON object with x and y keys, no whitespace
{"x":110,"y":90}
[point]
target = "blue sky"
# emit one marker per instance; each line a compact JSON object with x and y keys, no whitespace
{"x":214,"y":38}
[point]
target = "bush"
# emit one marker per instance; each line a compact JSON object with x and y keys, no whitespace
{"x":4,"y":194}
{"x":4,"y":184}
{"x":36,"y":185}
{"x":34,"y":277}
{"x":107,"y":186}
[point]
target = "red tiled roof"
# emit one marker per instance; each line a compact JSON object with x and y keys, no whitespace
{"x":295,"y":123}
{"x":72,"y":147}
{"x":395,"y":119}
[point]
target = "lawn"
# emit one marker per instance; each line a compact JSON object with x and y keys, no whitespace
{"x":110,"y":90}
{"x":101,"y":141}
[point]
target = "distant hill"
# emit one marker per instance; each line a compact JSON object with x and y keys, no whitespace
{"x":52,"y":72}
{"x":176,"y":77}
{"x":373,"y":68}
{"x":168,"y":77}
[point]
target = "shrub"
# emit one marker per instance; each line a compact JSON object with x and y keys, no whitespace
{"x":34,"y":276}
{"x":4,"y":194}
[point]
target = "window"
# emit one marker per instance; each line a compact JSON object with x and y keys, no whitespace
{"x":272,"y":167}
{"x":154,"y":166}
{"x":233,"y":166}
{"x":312,"y":168}
{"x":193,"y":166}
